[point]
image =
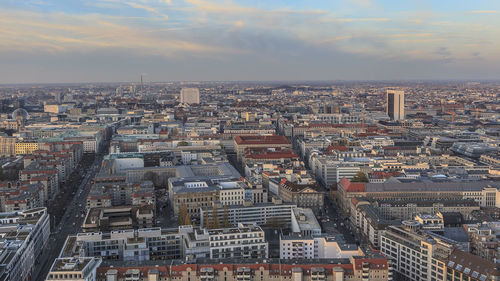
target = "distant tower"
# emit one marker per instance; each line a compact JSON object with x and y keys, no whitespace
{"x":395,"y":104}
{"x":141,"y":86}
{"x":190,"y":95}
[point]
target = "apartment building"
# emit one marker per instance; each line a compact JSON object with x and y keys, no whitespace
{"x":463,"y":266}
{"x":375,"y":268}
{"x":321,"y":246}
{"x":107,"y":195}
{"x":126,"y":245}
{"x":246,"y":241}
{"x":23,"y":236}
{"x":416,"y":254}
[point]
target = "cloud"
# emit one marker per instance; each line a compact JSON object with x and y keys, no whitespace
{"x":142,"y":7}
{"x":362,"y":3}
{"x":483,"y":12}
{"x":70,"y":33}
{"x":361,"y":19}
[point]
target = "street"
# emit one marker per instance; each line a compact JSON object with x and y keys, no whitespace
{"x":334,"y":222}
{"x":70,"y":223}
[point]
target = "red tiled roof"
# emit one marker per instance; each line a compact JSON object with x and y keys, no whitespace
{"x":337,"y":148}
{"x":275,"y":139}
{"x":349,"y":186}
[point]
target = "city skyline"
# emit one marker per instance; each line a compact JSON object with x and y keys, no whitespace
{"x":179,"y":40}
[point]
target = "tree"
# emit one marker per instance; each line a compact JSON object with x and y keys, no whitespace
{"x":360,"y":177}
{"x":187,"y":220}
{"x":275,"y":222}
{"x":215,"y":217}
{"x":225,"y":217}
{"x":206,"y":220}
{"x":2,"y":176}
{"x":182,"y":143}
{"x":183,"y":214}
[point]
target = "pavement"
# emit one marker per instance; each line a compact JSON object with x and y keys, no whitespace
{"x":70,"y":223}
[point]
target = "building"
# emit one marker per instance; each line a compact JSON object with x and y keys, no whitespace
{"x":190,"y":96}
{"x":23,"y":236}
{"x":416,"y":254}
{"x":107,"y":219}
{"x":196,"y":193}
{"x":126,"y":245}
{"x":107,"y":195}
{"x":485,"y":239}
{"x":274,"y":213}
{"x":7,"y":145}
{"x":304,"y":222}
{"x":303,"y":195}
{"x":463,"y":266}
{"x":241,"y":143}
{"x":246,"y":241}
{"x":486,"y":193}
{"x":395,"y":104}
{"x":74,"y":268}
{"x":317,"y":247}
{"x":374,"y":268}
{"x":24,"y":147}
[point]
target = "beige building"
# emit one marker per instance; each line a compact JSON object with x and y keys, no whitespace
{"x":7,"y":145}
{"x":485,"y":193}
{"x":241,"y":143}
{"x":24,"y":147}
{"x":304,"y":195}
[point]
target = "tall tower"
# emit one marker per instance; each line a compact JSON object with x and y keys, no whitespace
{"x":141,"y":86}
{"x":395,"y":104}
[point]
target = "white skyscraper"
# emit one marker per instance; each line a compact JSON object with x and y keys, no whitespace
{"x":190,"y":95}
{"x":395,"y":104}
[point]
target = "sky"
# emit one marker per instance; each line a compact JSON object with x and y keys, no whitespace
{"x":63,"y":41}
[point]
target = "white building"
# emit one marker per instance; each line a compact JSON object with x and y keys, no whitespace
{"x":74,"y":268}
{"x":231,"y":193}
{"x":244,"y":241}
{"x":260,"y":214}
{"x":190,"y":95}
{"x":127,"y":245}
{"x":23,"y":236}
{"x":304,"y":222}
{"x":415,"y":254}
{"x":330,"y":171}
{"x":317,"y":247}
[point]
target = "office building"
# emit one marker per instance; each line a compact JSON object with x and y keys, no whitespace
{"x":395,"y":102}
{"x":74,"y":268}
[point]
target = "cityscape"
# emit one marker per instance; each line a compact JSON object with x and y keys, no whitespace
{"x":213,"y":140}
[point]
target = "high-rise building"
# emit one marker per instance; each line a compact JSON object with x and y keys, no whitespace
{"x":395,"y":104}
{"x":190,"y":95}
